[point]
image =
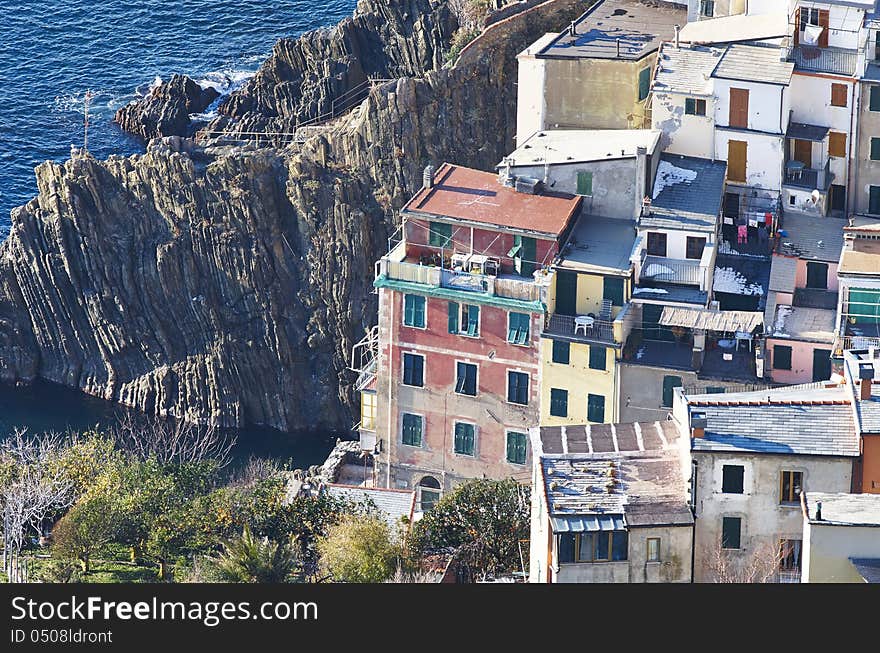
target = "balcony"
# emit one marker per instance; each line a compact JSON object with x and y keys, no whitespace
{"x":811,"y":58}
{"x":815,"y":298}
{"x":659,"y":269}
{"x":808,"y":178}
{"x":601,"y":331}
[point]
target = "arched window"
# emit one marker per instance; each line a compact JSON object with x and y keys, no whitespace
{"x":429,"y":493}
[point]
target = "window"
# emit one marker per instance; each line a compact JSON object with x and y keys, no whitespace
{"x":516,"y":447}
{"x":466,"y":379}
{"x":669,"y":385}
{"x":412,"y":430}
{"x":707,"y":8}
{"x":597,"y":357}
{"x":429,"y":493}
{"x":874,"y":200}
{"x":838,"y":95}
{"x":518,"y":388}
{"x":694,"y":247}
{"x":732,"y":479}
{"x":790,"y":485}
{"x":558,"y":402}
{"x":694,"y":107}
{"x":656,"y":243}
{"x":612,"y":288}
{"x":524,"y":253}
{"x":518,"y":328}
{"x":595,"y":408}
{"x":464,"y":438}
{"x":653,"y":549}
{"x":414,"y":311}
{"x":601,"y":546}
{"x":738,"y":114}
{"x":874,"y":99}
{"x":731,"y":527}
{"x":585,"y":182}
{"x":790,"y":555}
{"x":644,"y":83}
{"x":837,"y":144}
{"x":414,"y":370}
{"x":440,"y":234}
{"x":368,"y":411}
{"x":812,"y":16}
{"x":561,"y":352}
{"x":875,"y":149}
{"x":464,"y":319}
{"x":781,"y":357}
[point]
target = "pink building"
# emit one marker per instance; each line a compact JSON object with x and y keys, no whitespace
{"x":462,"y":299}
{"x":802,"y":304}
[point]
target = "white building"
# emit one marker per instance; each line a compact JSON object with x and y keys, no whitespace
{"x":841,"y":538}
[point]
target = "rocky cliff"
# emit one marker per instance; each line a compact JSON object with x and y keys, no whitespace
{"x":228,"y":284}
{"x":165,"y":110}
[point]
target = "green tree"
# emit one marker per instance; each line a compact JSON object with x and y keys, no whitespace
{"x":359,"y":549}
{"x":86,"y":527}
{"x":483,"y":520}
{"x":251,"y":559}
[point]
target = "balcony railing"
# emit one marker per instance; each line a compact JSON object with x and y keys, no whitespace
{"x":667,"y":270}
{"x":565,"y":325}
{"x":810,"y":178}
{"x":824,"y":60}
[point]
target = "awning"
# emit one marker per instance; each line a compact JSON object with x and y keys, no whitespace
{"x":588,"y":523}
{"x":704,"y":318}
{"x":804,"y":132}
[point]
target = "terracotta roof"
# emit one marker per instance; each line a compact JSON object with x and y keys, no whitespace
{"x":461,"y":193}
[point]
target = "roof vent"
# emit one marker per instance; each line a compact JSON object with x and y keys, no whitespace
{"x":527,"y":185}
{"x":818,"y":511}
{"x":428,"y":177}
{"x":698,"y":425}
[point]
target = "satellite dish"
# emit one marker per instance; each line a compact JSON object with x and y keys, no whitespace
{"x":816,"y":195}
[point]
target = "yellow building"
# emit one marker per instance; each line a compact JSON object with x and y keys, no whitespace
{"x":588,"y":308}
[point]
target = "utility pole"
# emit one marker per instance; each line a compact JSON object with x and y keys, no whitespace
{"x":87,"y":101}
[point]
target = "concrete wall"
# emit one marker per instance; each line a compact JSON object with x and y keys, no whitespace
{"x":722,"y":8}
{"x":579,"y":380}
{"x":866,"y":172}
{"x":641,"y":391}
{"x":827,"y":550}
{"x":440,"y":405}
{"x":764,"y":520}
{"x":871,"y":464}
{"x":590,"y":292}
{"x":768,"y":105}
{"x":764,"y":157}
{"x":529,"y":96}
{"x":676,"y":240}
{"x":590,"y":94}
{"x":800,"y":278}
{"x":682,"y":133}
{"x":801,"y":360}
{"x":614,"y":185}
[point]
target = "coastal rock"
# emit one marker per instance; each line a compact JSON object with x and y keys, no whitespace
{"x":165,"y":109}
{"x":228,"y":284}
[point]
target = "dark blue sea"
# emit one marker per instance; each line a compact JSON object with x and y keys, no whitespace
{"x":53,"y":51}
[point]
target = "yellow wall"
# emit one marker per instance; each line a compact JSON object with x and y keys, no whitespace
{"x":579,"y":380}
{"x":590,"y":291}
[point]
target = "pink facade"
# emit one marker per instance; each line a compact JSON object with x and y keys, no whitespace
{"x":801,"y":360}
{"x":800,"y":279}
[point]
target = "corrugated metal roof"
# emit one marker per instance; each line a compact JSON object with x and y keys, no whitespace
{"x":588,"y":524}
{"x":755,"y":63}
{"x":686,"y":69}
{"x":393,"y":504}
{"x":710,"y":320}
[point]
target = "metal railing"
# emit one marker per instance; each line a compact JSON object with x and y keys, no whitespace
{"x":667,"y":270}
{"x":810,"y":178}
{"x":565,"y":325}
{"x":823,"y":60}
{"x":364,"y":358}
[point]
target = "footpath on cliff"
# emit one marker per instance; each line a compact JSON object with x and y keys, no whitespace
{"x":225,"y":280}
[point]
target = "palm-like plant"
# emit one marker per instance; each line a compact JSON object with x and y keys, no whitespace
{"x":251,"y":559}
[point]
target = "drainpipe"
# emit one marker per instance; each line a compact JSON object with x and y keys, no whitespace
{"x":388,"y":424}
{"x":853,"y":148}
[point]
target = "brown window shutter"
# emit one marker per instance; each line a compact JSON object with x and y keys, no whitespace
{"x":824,"y":23}
{"x":838,"y":95}
{"x":739,"y":108}
{"x":797,"y":26}
{"x":837,"y":144}
{"x":736,"y":160}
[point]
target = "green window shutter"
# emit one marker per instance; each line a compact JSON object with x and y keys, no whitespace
{"x":558,"y":402}
{"x":453,"y":317}
{"x":874,"y":103}
{"x":524,"y":253}
{"x":412,"y":430}
{"x":518,"y":388}
{"x":644,"y":83}
{"x":730,"y":532}
{"x":516,"y":447}
{"x":440,"y":234}
{"x":875,"y":149}
{"x":669,"y":384}
{"x":595,"y":408}
{"x":874,"y":200}
{"x":561,"y":351}
{"x":473,"y":320}
{"x":781,"y":357}
{"x":585,"y":183}
{"x":597,"y":357}
{"x":414,"y":311}
{"x":690,"y":106}
{"x":518,"y":328}
{"x":466,"y":379}
{"x":413,"y":370}
{"x":612,"y":288}
{"x":464,"y":438}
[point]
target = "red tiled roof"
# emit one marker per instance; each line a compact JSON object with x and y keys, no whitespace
{"x":468,"y":194}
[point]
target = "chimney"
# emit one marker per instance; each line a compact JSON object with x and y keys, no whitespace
{"x":641,"y":177}
{"x":428,"y":177}
{"x":866,"y":376}
{"x":818,"y":511}
{"x":571,"y":29}
{"x":698,"y":425}
{"x":677,"y":29}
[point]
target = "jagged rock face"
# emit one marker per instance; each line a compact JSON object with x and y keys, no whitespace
{"x":165,"y":110}
{"x":230,"y":287}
